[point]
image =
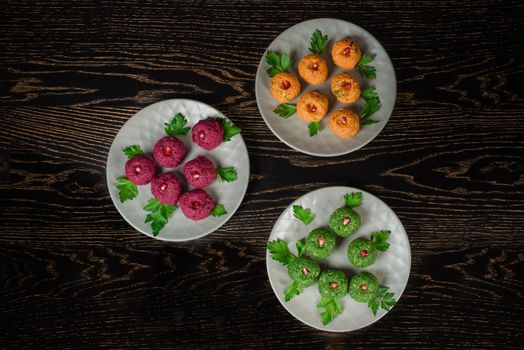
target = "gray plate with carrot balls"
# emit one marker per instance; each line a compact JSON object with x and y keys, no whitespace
{"x":325,"y":87}
{"x":338,"y":259}
{"x":177,"y":170}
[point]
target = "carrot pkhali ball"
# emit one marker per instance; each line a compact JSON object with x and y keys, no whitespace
{"x":345,"y":53}
{"x":345,"y":88}
{"x":312,"y":106}
{"x":284,"y":87}
{"x":344,"y":123}
{"x":313,"y":69}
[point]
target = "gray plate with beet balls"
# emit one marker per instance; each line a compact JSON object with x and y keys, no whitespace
{"x":177,"y":170}
{"x":338,"y":259}
{"x":325,"y":87}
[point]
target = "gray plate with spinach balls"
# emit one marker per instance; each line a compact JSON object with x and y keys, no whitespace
{"x":303,"y":232}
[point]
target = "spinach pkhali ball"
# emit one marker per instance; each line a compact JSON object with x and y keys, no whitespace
{"x":362,"y":253}
{"x":320,"y":243}
{"x":363,"y":287}
{"x":333,"y":284}
{"x":344,"y":221}
{"x":303,"y":271}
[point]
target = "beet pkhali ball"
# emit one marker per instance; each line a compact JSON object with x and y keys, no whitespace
{"x":200,"y":172}
{"x":284,"y":87}
{"x":345,"y":53}
{"x":312,"y":106}
{"x":166,"y":188}
{"x":140,"y":170}
{"x":197,"y":204}
{"x":208,"y":134}
{"x":169,"y":152}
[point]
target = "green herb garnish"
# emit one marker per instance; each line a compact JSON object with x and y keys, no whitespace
{"x":314,"y":128}
{"x":292,"y":290}
{"x":227,"y":174}
{"x":133,"y":151}
{"x":353,"y":199}
{"x":303,"y":214}
{"x":230,"y":129}
{"x":366,"y":70}
{"x":301,"y":246}
{"x":371,"y":103}
{"x":318,"y":42}
{"x":379,"y":240}
{"x":159,"y":214}
{"x":330,"y":309}
{"x":280,"y":252}
{"x":127,"y":189}
{"x":177,"y":126}
{"x":384,"y":299}
{"x":285,"y":110}
{"x":277,"y":62}
{"x":218,"y":210}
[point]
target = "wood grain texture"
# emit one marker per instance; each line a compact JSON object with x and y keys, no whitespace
{"x":450,"y":163}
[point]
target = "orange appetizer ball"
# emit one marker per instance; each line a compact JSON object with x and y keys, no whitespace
{"x":285,"y":87}
{"x":312,"y":106}
{"x":345,"y":88}
{"x":344,"y":123}
{"x":346,"y":53}
{"x":313,"y":69}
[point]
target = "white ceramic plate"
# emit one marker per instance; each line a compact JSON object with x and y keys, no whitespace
{"x":144,"y":129}
{"x":391,"y":268}
{"x":293,"y":131}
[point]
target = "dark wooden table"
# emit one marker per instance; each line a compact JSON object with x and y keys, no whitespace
{"x":450,"y":163}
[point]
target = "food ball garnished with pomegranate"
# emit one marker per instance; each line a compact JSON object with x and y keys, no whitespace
{"x":345,"y":53}
{"x":285,"y":87}
{"x":169,"y":151}
{"x":344,"y":221}
{"x":312,"y":106}
{"x":167,"y":188}
{"x":197,"y":204}
{"x":345,"y":88}
{"x":313,"y":67}
{"x":199,"y":172}
{"x":363,"y":287}
{"x":320,"y":243}
{"x":344,"y":123}
{"x":303,"y":271}
{"x":140,"y":170}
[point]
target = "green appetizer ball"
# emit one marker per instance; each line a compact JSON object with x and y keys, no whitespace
{"x":333,"y":284}
{"x":363,"y":287}
{"x":361,"y":252}
{"x":344,"y":221}
{"x":303,"y":271}
{"x":320,"y":243}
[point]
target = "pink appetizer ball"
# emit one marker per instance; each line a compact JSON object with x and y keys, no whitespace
{"x":140,"y":170}
{"x":197,"y":204}
{"x":208,"y":134}
{"x":169,"y":152}
{"x":167,"y":188}
{"x":200,"y":172}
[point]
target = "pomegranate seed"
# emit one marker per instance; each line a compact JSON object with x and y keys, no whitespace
{"x":347,"y":51}
{"x":163,"y":187}
{"x":167,"y":150}
{"x":305,"y":271}
{"x":201,"y":135}
{"x":321,"y":241}
{"x":347,"y":85}
{"x":196,"y":205}
{"x":312,"y":108}
{"x":363,"y":286}
{"x":138,"y":169}
{"x":286,"y":84}
{"x":364,"y":252}
{"x":196,"y":176}
{"x":333,"y":284}
{"x":315,"y":66}
{"x":343,"y":120}
{"x":346,"y":220}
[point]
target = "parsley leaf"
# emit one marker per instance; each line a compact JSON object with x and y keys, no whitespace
{"x":277,"y":62}
{"x":314,"y":128}
{"x":218,"y":210}
{"x":159,"y":214}
{"x":177,"y":126}
{"x":384,"y":299}
{"x":368,"y":122}
{"x":303,"y":214}
{"x":291,"y":291}
{"x":379,"y":240}
{"x":230,"y":129}
{"x":371,"y":103}
{"x":133,"y":151}
{"x":330,"y":309}
{"x":280,"y":252}
{"x":353,"y":199}
{"x":285,"y":110}
{"x":227,"y":174}
{"x":127,"y":189}
{"x":366,"y":70}
{"x":301,"y":246}
{"x":318,"y":42}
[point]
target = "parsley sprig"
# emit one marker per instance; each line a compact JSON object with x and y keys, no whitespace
{"x":159,"y":214}
{"x":379,"y":240}
{"x":365,"y":69}
{"x":384,"y":300}
{"x":353,"y":199}
{"x":330,"y":309}
{"x":218,"y":210}
{"x":301,"y":246}
{"x":133,"y":151}
{"x":314,"y":128}
{"x":318,"y":42}
{"x":230,"y":130}
{"x":371,"y":106}
{"x":126,"y":190}
{"x":177,"y":126}
{"x":280,"y":252}
{"x":285,"y":110}
{"x":278,"y":63}
{"x":292,"y":290}
{"x":228,"y":174}
{"x":303,"y":214}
